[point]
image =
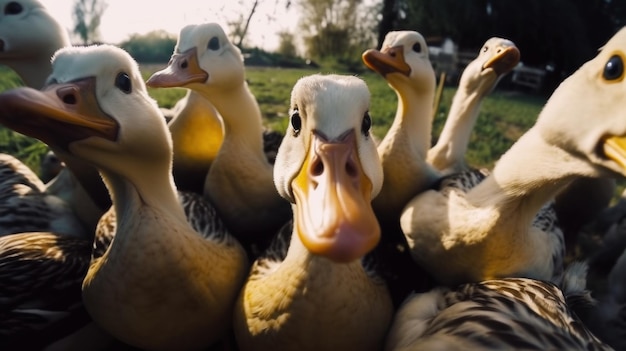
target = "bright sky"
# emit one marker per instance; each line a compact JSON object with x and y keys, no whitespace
{"x":123,"y":18}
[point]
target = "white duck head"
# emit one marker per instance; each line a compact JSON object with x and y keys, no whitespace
{"x":203,"y":57}
{"x":329,"y":167}
{"x":601,"y":135}
{"x":28,"y":33}
{"x":496,"y":58}
{"x":74,"y":111}
{"x":403,"y":61}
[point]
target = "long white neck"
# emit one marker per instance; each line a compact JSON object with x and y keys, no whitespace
{"x":530,"y":174}
{"x":449,"y":152}
{"x":413,"y":121}
{"x":153,"y":188}
{"x":403,"y":156}
{"x":243,"y":124}
{"x":34,"y":70}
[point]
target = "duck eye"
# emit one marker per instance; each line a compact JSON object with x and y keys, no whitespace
{"x":214,"y":44}
{"x":417,"y":47}
{"x":485,"y":49}
{"x":614,"y":68}
{"x":296,"y":122}
{"x":122,"y":81}
{"x":366,"y":124}
{"x":13,"y":8}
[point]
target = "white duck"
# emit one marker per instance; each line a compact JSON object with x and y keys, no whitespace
{"x":29,"y":36}
{"x":403,"y":61}
{"x":313,"y":292}
{"x":160,"y":285}
{"x":495,"y":59}
{"x":488,"y":231}
{"x":239,"y":182}
{"x":503,"y":314}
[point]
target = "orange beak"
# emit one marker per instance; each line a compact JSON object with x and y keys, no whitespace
{"x":504,"y":61}
{"x":182,"y":69}
{"x":388,"y":60}
{"x":334,"y":216}
{"x":58,"y":114}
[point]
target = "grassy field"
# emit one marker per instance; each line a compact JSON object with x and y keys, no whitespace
{"x":503,"y":118}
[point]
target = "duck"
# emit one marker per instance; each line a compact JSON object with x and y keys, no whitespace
{"x":403,"y":61}
{"x":160,"y":284}
{"x":312,"y":290}
{"x":41,"y":274}
{"x":491,"y":231}
{"x":239,"y":183}
{"x":496,"y":58}
{"x":29,"y":36}
{"x":495,"y":314}
{"x":197,"y":134}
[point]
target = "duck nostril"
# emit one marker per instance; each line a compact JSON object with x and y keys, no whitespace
{"x":69,"y":99}
{"x":317,"y":168}
{"x":184,"y":64}
{"x":351,"y":169}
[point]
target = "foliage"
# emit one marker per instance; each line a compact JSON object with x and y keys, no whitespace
{"x":339,"y":29}
{"x":155,"y":46}
{"x":87,"y":14}
{"x":560,"y":33}
{"x":286,"y":45}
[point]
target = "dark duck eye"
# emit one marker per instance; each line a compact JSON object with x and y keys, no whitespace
{"x":296,"y":122}
{"x":417,"y":47}
{"x":214,"y":44}
{"x":122,"y":81}
{"x":614,"y":68}
{"x":13,"y":8}
{"x":366,"y":124}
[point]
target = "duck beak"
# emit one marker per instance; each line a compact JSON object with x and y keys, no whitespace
{"x":333,"y":215}
{"x":182,"y":69}
{"x":388,"y":60}
{"x":59,"y":114}
{"x":506,"y":58}
{"x":615,"y":149}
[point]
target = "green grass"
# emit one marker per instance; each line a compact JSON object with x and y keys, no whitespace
{"x":503,"y":118}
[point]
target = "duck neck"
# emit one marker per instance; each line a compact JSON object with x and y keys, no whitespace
{"x":153,"y":189}
{"x":527,"y":176}
{"x":454,"y":138}
{"x":243,"y":125}
{"x":33,"y":70}
{"x":413,"y":120}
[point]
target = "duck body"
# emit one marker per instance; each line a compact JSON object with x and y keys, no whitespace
{"x":502,"y":314}
{"x":99,"y":111}
{"x":403,"y":62}
{"x":26,"y":207}
{"x":311,"y":289}
{"x":41,"y":274}
{"x":197,"y":134}
{"x":239,"y":182}
{"x":488,"y":232}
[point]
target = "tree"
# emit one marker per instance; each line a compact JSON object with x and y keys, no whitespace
{"x":87,"y":15}
{"x":336,"y":28}
{"x":239,"y":27}
{"x":287,"y":46}
{"x":156,"y":46}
